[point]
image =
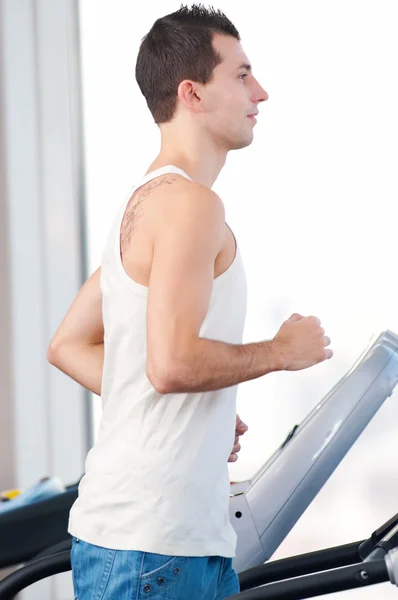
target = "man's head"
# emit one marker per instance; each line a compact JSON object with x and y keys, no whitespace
{"x":191,"y":71}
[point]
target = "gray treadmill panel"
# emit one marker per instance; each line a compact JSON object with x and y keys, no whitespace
{"x":284,"y":487}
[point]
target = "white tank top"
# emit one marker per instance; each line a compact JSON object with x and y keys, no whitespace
{"x":157,"y":478}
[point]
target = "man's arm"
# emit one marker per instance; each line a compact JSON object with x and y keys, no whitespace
{"x":77,"y":348}
{"x":189,"y":236}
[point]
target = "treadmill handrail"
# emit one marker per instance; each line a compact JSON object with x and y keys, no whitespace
{"x":299,"y":565}
{"x":368,"y":545}
{"x":54,"y":549}
{"x":32,"y":572}
{"x":326,"y":582}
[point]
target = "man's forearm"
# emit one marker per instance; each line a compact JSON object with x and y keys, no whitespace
{"x":84,"y":364}
{"x":217,"y":365}
{"x":213,"y":365}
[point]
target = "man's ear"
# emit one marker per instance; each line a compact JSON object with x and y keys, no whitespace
{"x":190,"y":95}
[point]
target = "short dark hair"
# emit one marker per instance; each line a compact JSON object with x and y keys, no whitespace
{"x":177,"y":47}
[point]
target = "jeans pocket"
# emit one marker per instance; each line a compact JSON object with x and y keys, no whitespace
{"x":160,"y":573}
{"x":152,"y":563}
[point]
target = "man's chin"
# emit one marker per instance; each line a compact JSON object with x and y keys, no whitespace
{"x":243,"y":142}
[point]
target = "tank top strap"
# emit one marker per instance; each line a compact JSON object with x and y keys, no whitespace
{"x":161,"y":171}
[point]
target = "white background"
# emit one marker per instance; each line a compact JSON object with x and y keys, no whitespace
{"x":312,"y":203}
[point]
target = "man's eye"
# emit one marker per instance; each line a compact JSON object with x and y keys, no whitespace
{"x":243,"y":75}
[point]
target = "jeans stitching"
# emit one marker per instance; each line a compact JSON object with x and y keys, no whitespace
{"x":140,"y":575}
{"x":159,"y":568}
{"x":220,"y":575}
{"x":71,"y":554}
{"x":110,"y":559}
{"x":233,"y":577}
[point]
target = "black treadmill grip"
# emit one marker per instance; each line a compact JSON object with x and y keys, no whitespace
{"x":309,"y":586}
{"x":32,"y":572}
{"x":370,"y":544}
{"x":302,"y":564}
{"x":60,"y":547}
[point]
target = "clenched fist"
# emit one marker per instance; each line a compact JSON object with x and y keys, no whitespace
{"x":301,"y":343}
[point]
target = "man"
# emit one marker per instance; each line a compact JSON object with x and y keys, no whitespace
{"x":157,"y":332}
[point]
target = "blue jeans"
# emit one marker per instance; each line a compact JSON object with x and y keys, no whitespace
{"x":103,"y":574}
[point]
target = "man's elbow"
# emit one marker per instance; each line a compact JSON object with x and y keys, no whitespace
{"x":164,"y":380}
{"x":53,"y":351}
{"x":161,"y":385}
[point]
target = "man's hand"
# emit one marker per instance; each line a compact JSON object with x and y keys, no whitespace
{"x":240,"y":429}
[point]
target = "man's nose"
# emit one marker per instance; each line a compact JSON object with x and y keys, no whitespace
{"x":261,"y":94}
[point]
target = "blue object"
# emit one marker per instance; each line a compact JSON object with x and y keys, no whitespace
{"x":45,"y":488}
{"x":141,"y":574}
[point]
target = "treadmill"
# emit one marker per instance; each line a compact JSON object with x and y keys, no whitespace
{"x":264,"y":509}
{"x":30,"y":529}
